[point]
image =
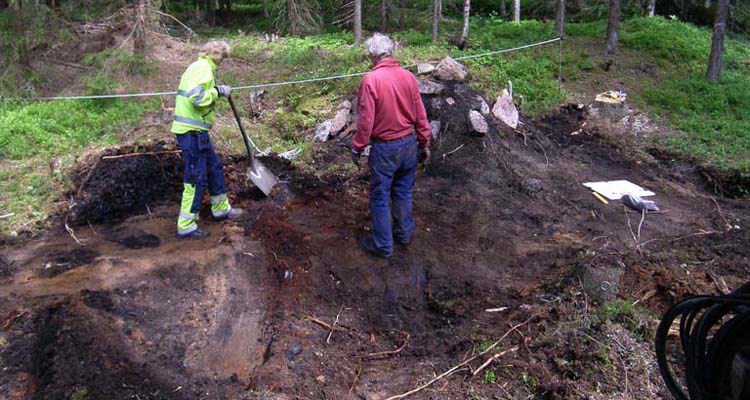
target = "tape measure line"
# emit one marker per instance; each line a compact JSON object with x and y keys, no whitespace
{"x":264,"y":85}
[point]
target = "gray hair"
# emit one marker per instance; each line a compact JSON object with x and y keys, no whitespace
{"x":216,"y":49}
{"x":380,"y":46}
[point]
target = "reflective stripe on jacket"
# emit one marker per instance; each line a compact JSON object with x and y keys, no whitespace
{"x":196,"y":98}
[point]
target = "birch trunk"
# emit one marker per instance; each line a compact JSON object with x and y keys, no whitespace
{"x":465,"y":24}
{"x":560,"y":18}
{"x":613,"y":26}
{"x":435,"y":21}
{"x":517,"y":10}
{"x":717,"y":43}
{"x":357,"y":22}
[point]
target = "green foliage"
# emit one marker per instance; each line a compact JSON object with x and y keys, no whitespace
{"x":633,"y":318}
{"x":80,"y":394}
{"x":61,"y":127}
{"x":490,"y":377}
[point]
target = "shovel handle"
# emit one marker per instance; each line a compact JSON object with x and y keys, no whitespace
{"x":242,"y":130}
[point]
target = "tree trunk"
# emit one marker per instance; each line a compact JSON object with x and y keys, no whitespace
{"x":3,"y":4}
{"x":139,"y":36}
{"x":613,"y":26}
{"x":357,"y":22}
{"x":383,"y":15}
{"x":708,"y":4}
{"x":436,"y":21}
{"x":291,"y":17}
{"x":560,"y":18}
{"x":651,"y":8}
{"x":402,"y":16}
{"x":465,"y":24}
{"x":52,"y":6}
{"x":503,"y":10}
{"x":717,"y":43}
{"x":265,"y":8}
{"x":517,"y":10}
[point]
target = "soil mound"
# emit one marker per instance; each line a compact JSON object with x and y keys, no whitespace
{"x":123,"y":182}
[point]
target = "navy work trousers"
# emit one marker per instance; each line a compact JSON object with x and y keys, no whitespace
{"x":393,"y":168}
{"x":202,"y":166}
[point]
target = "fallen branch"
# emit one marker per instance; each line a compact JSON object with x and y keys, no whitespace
{"x":453,"y":151}
{"x":461,"y":365}
{"x":8,"y":215}
{"x":325,"y":324}
{"x":70,"y":231}
{"x":192,"y":33}
{"x":336,"y":321}
{"x":67,"y":64}
{"x":148,"y":153}
{"x":391,"y":352}
{"x":493,"y":358}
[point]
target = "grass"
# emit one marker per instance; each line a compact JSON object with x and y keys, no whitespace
{"x":40,"y":145}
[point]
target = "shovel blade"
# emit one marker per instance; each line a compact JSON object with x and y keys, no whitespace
{"x":261,"y":177}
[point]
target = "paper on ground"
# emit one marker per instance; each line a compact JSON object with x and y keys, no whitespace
{"x":614,"y":190}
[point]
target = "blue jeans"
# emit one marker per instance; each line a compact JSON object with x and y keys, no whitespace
{"x":202,"y":166}
{"x":393,"y":167}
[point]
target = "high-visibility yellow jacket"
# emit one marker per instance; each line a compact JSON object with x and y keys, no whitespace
{"x":196,"y":98}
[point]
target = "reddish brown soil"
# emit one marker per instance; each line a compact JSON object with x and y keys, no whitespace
{"x":502,"y":222}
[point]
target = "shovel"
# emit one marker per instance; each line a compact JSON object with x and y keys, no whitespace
{"x":261,"y":176}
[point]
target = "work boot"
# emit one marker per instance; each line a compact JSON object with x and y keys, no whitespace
{"x":401,"y":242}
{"x":196,"y":234}
{"x":233,"y":213}
{"x":368,"y":247}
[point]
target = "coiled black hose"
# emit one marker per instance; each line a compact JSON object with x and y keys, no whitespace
{"x":715,"y":341}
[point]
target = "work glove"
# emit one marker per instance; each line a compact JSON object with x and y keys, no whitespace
{"x":424,"y":155}
{"x":224,"y":90}
{"x":355,"y":156}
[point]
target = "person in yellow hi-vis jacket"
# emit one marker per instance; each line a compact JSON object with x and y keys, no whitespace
{"x":193,"y":118}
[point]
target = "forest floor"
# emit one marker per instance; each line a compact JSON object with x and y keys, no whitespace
{"x":283,"y":304}
{"x":513,"y":258}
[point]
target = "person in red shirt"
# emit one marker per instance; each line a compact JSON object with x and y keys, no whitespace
{"x":392,"y":120}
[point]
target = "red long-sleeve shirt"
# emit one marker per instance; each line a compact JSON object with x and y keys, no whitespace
{"x":389,"y":106}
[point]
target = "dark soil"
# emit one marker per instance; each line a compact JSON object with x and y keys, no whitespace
{"x":62,"y":261}
{"x":502,"y":223}
{"x":109,"y":190}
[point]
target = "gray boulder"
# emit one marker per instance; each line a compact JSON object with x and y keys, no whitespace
{"x":450,"y":70}
{"x":323,"y":131}
{"x":505,"y":110}
{"x":430,"y":87}
{"x":435,"y":129}
{"x":478,"y":123}
{"x":424,"y":69}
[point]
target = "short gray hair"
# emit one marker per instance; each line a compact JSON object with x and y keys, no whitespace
{"x":216,"y":49}
{"x":380,"y":46}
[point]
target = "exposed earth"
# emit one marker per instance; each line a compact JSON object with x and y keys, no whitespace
{"x":283,"y":304}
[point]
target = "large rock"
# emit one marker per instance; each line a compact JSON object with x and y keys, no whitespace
{"x":478,"y":123}
{"x":484,"y":108}
{"x":435,"y":128}
{"x":505,"y":110}
{"x":424,"y":69}
{"x":450,"y":70}
{"x":340,"y":120}
{"x":323,"y":131}
{"x":430,"y":87}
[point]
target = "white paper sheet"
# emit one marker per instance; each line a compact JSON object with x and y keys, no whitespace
{"x":614,"y":190}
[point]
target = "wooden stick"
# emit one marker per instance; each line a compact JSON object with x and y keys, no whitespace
{"x":462,"y":364}
{"x":391,"y":352}
{"x":148,"y":153}
{"x":8,"y":215}
{"x":325,"y":324}
{"x":67,"y":64}
{"x":328,"y":339}
{"x":493,"y":358}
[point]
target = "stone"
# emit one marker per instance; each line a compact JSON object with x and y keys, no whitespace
{"x":601,"y":283}
{"x":340,"y":120}
{"x":505,"y":110}
{"x":293,"y":350}
{"x":425,"y":68}
{"x":429,"y":87}
{"x":531,"y":186}
{"x":478,"y":123}
{"x":484,"y":108}
{"x":345,"y":104}
{"x":436,"y":103}
{"x":320,"y":379}
{"x":435,"y":129}
{"x":323,"y":131}
{"x":450,"y":101}
{"x":450,"y":70}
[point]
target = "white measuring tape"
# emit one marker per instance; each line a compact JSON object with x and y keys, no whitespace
{"x":263,"y":85}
